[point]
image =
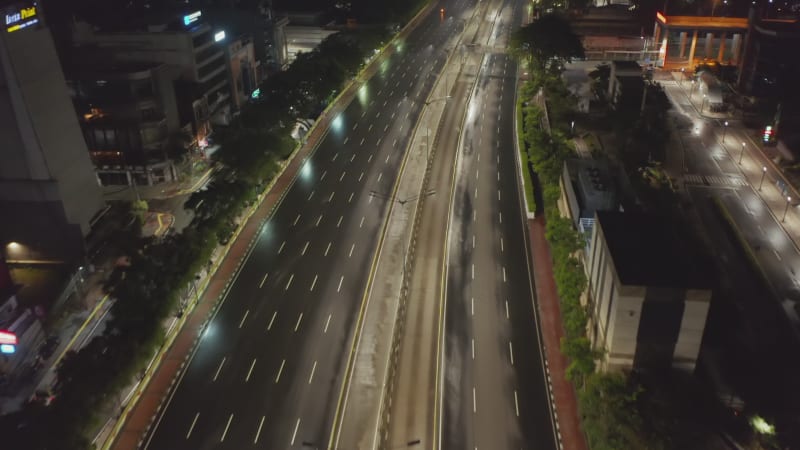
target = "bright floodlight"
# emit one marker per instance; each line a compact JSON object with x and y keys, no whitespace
{"x":761,"y":425}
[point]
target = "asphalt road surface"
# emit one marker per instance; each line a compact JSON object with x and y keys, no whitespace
{"x":495,"y":392}
{"x":268,"y":370}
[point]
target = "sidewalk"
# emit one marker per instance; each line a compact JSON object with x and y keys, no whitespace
{"x":562,"y":395}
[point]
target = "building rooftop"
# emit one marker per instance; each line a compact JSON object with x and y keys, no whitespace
{"x":648,"y":250}
{"x":626,"y":65}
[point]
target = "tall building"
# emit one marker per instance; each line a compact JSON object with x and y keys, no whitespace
{"x":649,"y":293}
{"x":49,"y":193}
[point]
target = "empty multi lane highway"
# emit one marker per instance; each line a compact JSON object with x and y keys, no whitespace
{"x":268,"y":370}
{"x":495,"y":391}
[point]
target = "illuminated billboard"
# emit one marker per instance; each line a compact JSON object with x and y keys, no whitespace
{"x":20,"y":16}
{"x":191,"y":18}
{"x":8,"y":342}
{"x":218,"y":36}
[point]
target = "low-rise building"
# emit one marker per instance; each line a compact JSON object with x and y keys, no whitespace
{"x":648,"y":293}
{"x":587,"y":186}
{"x":625,"y":84}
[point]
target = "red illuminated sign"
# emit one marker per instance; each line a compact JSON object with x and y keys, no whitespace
{"x":7,"y":337}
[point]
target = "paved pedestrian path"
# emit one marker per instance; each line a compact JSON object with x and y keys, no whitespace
{"x":563,"y":396}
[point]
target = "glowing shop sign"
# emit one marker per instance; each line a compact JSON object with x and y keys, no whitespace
{"x":8,"y":342}
{"x":218,"y":36}
{"x":21,"y":17}
{"x":191,"y":18}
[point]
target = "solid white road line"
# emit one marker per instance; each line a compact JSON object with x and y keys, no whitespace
{"x":327,"y":322}
{"x":313,"y":368}
{"x":241,"y":322}
{"x":263,"y":280}
{"x":297,"y":325}
{"x":280,"y":370}
{"x":289,"y":283}
{"x":313,"y":283}
{"x":516,"y":402}
{"x":283,"y":244}
{"x":295,"y":220}
{"x":305,"y":247}
{"x":258,"y":432}
{"x":340,"y":284}
{"x":294,"y":435}
{"x":511,"y":352}
{"x":250,"y":372}
{"x":327,"y":249}
{"x":191,"y":427}
{"x":227,"y":425}
{"x":219,"y":368}
{"x":271,"y":321}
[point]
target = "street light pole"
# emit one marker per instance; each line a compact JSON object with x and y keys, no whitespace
{"x":741,"y":153}
{"x":785,"y":210}
{"x":763,"y":173}
{"x":724,"y":129}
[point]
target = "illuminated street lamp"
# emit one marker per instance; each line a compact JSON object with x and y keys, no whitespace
{"x":763,"y":173}
{"x":724,"y":129}
{"x":741,"y":153}
{"x":785,"y":210}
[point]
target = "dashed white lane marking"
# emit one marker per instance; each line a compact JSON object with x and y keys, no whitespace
{"x":310,"y":195}
{"x":350,"y":198}
{"x":504,"y":274}
{"x":345,"y":140}
{"x":330,"y":199}
{"x":294,"y":435}
{"x":362,"y":143}
{"x":250,"y":372}
{"x":339,"y":222}
{"x":340,"y":284}
{"x":479,"y":160}
{"x":507,"y":309}
{"x":371,"y":154}
{"x":502,"y":247}
{"x":360,"y":177}
{"x":380,"y":175}
{"x":370,"y":127}
{"x":263,"y":280}
{"x":319,"y":219}
{"x":283,"y":244}
{"x":297,"y":325}
{"x":191,"y":427}
{"x":336,"y":155}
{"x":244,"y":317}
{"x":498,"y":195}
{"x":361,"y":224}
{"x":476,"y":192}
{"x":474,"y":401}
{"x":387,"y":158}
{"x":295,"y":220}
{"x":327,"y":249}
{"x":501,"y":217}
{"x":313,"y":283}
{"x":498,"y":175}
{"x":511,"y":352}
{"x":227,"y":425}
{"x":476,"y":173}
{"x":474,"y":215}
{"x":473,"y":348}
{"x":327,"y":322}
{"x":258,"y":432}
{"x":219,"y":368}
{"x":370,"y":199}
{"x":386,"y":127}
{"x":353,"y":157}
{"x":341,"y":177}
{"x":313,"y":368}
{"x":356,"y":124}
{"x":472,"y":306}
{"x":516,"y":402}
{"x":280,"y":370}
{"x":289,"y":283}
{"x":394,"y":143}
{"x":305,"y":247}
{"x":473,"y":241}
{"x":352,"y":247}
{"x":473,"y":271}
{"x":378,"y":114}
